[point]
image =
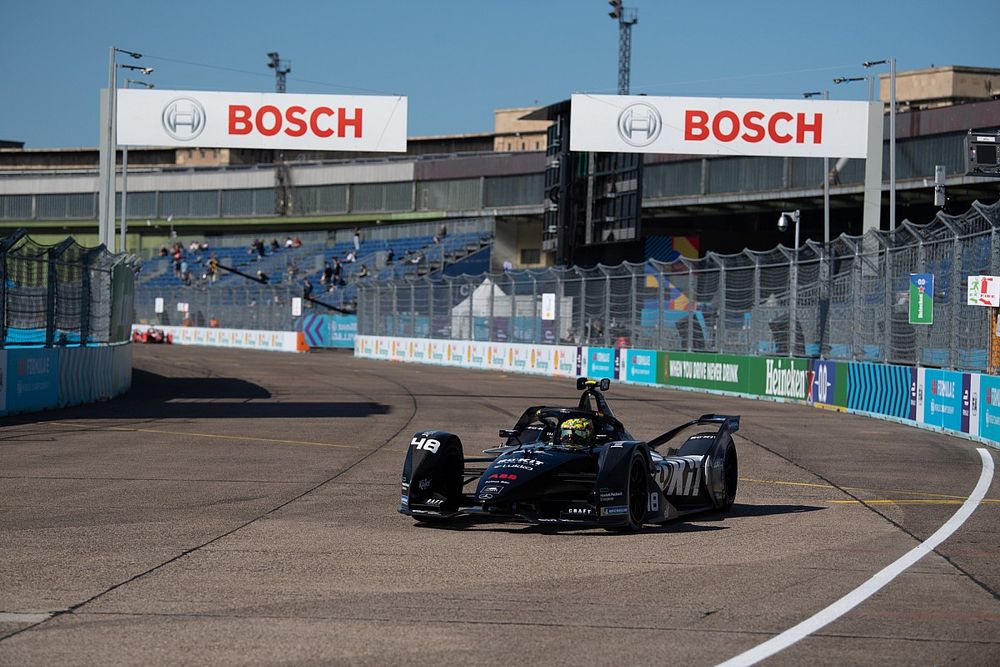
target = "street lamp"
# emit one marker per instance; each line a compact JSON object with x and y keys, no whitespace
{"x":123,"y":229}
{"x":826,"y":174}
{"x":892,"y":134}
{"x":850,"y":79}
{"x":106,"y":177}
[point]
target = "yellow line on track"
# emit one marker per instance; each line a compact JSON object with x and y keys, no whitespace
{"x":907,"y":501}
{"x":777,"y":482}
{"x":276,"y":441}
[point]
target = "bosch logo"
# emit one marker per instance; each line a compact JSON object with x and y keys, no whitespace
{"x":639,"y":124}
{"x":183,"y":118}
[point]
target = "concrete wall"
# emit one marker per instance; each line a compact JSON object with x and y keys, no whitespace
{"x":962,"y":404}
{"x":33,"y":379}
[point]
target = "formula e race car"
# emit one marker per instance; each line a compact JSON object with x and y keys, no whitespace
{"x":575,"y":466}
{"x":152,"y":335}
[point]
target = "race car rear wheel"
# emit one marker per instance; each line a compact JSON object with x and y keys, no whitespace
{"x":730,"y":476}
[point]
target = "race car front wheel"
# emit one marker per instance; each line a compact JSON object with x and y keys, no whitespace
{"x":638,"y":492}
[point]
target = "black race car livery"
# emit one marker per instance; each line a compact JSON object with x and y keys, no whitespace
{"x":612,"y":480}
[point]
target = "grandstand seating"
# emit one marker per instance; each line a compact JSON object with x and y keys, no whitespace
{"x":415,"y":255}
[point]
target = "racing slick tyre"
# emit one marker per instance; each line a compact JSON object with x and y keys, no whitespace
{"x":637,"y":493}
{"x":730,"y":477}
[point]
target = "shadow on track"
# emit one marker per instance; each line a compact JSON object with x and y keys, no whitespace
{"x":688,"y":525}
{"x":155,"y":396}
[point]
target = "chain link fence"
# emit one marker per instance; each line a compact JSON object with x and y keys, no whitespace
{"x":63,"y":294}
{"x":253,"y":306}
{"x":847,"y":301}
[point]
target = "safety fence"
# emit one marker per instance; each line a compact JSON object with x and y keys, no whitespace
{"x":848,"y":300}
{"x":65,"y":323}
{"x":63,"y":294}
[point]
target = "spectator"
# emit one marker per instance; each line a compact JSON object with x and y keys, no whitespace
{"x":350,"y":257}
{"x":213,"y":268}
{"x":363,"y":272}
{"x":307,"y":288}
{"x":507,"y":265}
{"x":178,"y":256}
{"x":293,"y":271}
{"x":288,"y":241}
{"x":203,"y":246}
{"x":262,"y":277}
{"x":296,"y":242}
{"x":184,"y":267}
{"x":163,"y":251}
{"x":260,"y":249}
{"x":389,"y":256}
{"x":441,"y":233}
{"x":327,"y":276}
{"x":212,"y":322}
{"x":357,"y":240}
{"x":193,"y":247}
{"x":274,"y":245}
{"x":337,"y":270}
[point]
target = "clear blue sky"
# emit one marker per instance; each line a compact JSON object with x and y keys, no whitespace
{"x":458,"y":60}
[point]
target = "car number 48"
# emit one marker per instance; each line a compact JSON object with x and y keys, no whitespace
{"x":430,"y":444}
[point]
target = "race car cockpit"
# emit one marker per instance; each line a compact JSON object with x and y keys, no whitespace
{"x":540,"y":424}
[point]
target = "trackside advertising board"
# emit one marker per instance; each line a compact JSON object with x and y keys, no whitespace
{"x":722,"y":126}
{"x":191,"y":118}
{"x":946,"y":400}
{"x":719,"y":372}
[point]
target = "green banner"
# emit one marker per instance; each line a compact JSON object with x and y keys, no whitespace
{"x":721,"y":372}
{"x":779,"y":377}
{"x":921,"y":298}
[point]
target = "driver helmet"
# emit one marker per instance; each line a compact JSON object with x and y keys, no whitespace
{"x":576,"y":433}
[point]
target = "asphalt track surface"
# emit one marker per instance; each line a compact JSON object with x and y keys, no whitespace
{"x":240,"y":508}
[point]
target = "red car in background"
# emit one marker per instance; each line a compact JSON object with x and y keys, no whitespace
{"x":152,"y":335}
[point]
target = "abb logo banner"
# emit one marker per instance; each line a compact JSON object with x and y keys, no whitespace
{"x":722,"y":126}
{"x":261,"y":120}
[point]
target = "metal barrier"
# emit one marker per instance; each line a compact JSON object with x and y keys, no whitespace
{"x":848,"y":300}
{"x":256,"y":307}
{"x":64,"y":294}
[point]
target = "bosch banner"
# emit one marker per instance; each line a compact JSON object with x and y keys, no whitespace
{"x":261,"y":120}
{"x":721,"y":126}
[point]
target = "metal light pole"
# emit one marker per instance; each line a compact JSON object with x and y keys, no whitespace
{"x":106,"y":174}
{"x":123,"y":228}
{"x":627,"y":17}
{"x":892,"y":134}
{"x":826,"y":177}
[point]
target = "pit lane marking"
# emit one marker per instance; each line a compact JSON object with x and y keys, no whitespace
{"x":91,"y":427}
{"x":882,"y":578}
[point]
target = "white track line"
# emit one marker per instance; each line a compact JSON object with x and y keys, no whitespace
{"x":866,"y":590}
{"x":10,"y":617}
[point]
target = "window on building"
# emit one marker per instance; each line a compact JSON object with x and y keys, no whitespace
{"x":531,"y":255}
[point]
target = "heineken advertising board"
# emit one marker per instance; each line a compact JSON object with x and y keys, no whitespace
{"x":779,"y":377}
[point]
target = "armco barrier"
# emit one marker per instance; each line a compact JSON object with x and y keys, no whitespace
{"x":965,"y":404}
{"x":275,"y":341}
{"x":43,"y":378}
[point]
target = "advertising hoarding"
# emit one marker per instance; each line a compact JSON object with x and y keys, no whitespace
{"x":721,"y":126}
{"x":192,"y":118}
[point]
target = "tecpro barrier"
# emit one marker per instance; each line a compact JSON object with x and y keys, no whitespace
{"x":35,"y":379}
{"x":965,"y":404}
{"x":275,"y":341}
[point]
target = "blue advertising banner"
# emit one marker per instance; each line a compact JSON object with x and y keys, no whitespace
{"x":640,"y":366}
{"x":602,"y":362}
{"x":32,"y":381}
{"x":882,"y":389}
{"x":989,"y":407}
{"x":943,"y":398}
{"x":328,"y":330}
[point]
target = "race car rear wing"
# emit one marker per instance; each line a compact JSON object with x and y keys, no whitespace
{"x":725,"y":422}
